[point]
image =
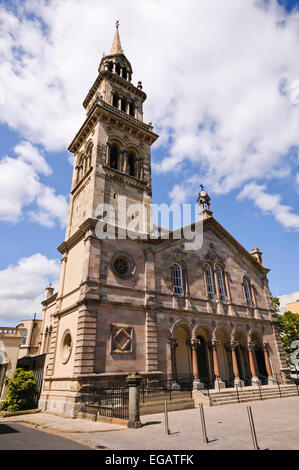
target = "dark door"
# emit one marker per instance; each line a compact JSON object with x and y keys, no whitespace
{"x":202,"y":360}
{"x":262,"y":371}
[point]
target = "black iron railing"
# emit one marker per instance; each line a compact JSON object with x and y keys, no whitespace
{"x":112,"y":402}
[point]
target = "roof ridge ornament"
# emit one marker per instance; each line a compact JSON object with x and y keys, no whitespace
{"x":204,"y":202}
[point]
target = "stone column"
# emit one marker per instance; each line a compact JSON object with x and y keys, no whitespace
{"x":229,"y":299}
{"x":119,"y":103}
{"x":254,"y":380}
{"x":125,"y":169}
{"x":197,"y":385}
{"x":218,"y":382}
{"x":267,"y":362}
{"x":133,"y":380}
{"x":237,"y":380}
{"x":173,"y":345}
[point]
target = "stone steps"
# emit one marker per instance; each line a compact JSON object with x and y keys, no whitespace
{"x":245,"y":395}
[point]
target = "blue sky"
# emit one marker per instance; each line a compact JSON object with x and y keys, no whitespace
{"x":221,"y":83}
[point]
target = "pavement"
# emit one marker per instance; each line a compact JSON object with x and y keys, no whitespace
{"x":276,"y":424}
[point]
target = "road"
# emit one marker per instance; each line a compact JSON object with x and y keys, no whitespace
{"x":19,"y":437}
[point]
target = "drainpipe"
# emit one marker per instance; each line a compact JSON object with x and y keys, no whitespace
{"x":33,"y":326}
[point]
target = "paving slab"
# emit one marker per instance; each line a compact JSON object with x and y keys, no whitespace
{"x":62,"y":424}
{"x":276,"y":424}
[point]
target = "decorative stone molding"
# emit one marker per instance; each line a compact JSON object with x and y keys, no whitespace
{"x":123,"y":265}
{"x":122,"y":339}
{"x":66,"y":346}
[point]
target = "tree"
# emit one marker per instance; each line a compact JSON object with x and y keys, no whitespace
{"x":22,"y":391}
{"x":276,"y":303}
{"x":288,"y":325}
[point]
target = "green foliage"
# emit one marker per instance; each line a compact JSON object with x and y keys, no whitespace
{"x":288,"y":325}
{"x":22,"y":390}
{"x":276,"y":303}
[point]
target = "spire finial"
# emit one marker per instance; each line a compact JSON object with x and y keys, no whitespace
{"x":116,"y":46}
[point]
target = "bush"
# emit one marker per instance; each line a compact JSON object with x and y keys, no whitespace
{"x":22,"y":391}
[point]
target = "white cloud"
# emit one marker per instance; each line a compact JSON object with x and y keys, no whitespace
{"x":20,"y":187}
{"x":30,"y":154}
{"x":270,"y":204}
{"x":22,"y":287}
{"x":218,"y":75}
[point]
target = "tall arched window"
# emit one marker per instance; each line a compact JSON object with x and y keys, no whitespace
{"x":124,"y":105}
{"x":115,"y":100}
{"x":114,"y":157}
{"x":220,"y":282}
{"x":131,"y":164}
{"x":24,"y":336}
{"x":210,"y":282}
{"x":177,"y":279}
{"x":117,"y":68}
{"x":247,"y":292}
{"x":80,"y":170}
{"x":88,"y":157}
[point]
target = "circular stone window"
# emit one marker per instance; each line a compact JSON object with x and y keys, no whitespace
{"x":66,"y":346}
{"x":123,"y":266}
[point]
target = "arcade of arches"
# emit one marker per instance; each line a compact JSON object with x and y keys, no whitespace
{"x":219,"y":357}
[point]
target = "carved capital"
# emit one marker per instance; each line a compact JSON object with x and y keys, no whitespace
{"x":214,"y":344}
{"x":233,"y":345}
{"x":251,"y":346}
{"x":173,"y":343}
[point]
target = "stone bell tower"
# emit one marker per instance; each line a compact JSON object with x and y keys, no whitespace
{"x":112,"y":148}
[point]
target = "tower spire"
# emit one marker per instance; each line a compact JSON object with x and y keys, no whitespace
{"x":116,"y":46}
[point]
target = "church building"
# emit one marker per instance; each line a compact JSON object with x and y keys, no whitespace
{"x":146,"y":304}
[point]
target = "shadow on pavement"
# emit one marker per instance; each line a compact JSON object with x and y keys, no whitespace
{"x":5,"y":429}
{"x":149,"y":423}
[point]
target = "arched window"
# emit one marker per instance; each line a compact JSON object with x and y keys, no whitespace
{"x":88,"y":157}
{"x":220,"y":282}
{"x":24,"y":336}
{"x":132,"y":110}
{"x":114,"y":157}
{"x":131,"y":164}
{"x":80,"y":170}
{"x":124,"y":73}
{"x":115,"y":99}
{"x":117,"y":68}
{"x":123,"y":105}
{"x":209,"y":282}
{"x":177,"y":280}
{"x":247,"y":292}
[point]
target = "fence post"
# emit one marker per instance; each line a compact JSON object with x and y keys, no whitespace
{"x":252,"y":428}
{"x":167,"y":431}
{"x":203,"y":424}
{"x":133,"y":380}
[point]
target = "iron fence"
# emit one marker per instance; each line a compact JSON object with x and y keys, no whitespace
{"x":110,"y":402}
{"x":36,"y":364}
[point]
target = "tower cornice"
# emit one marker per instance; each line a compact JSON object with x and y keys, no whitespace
{"x":114,"y":118}
{"x":113,"y":78}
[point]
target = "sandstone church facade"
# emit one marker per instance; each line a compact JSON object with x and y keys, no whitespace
{"x":146,"y":304}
